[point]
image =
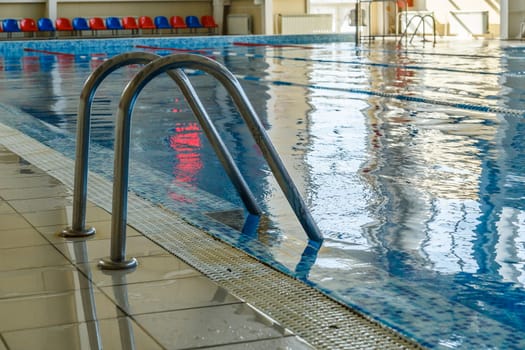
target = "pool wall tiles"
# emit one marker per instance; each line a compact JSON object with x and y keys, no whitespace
{"x":12,"y":47}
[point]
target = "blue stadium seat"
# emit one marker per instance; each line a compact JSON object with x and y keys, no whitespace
{"x":80,"y":24}
{"x":45,"y":25}
{"x":193,"y":23}
{"x":10,"y":26}
{"x":113,"y":24}
{"x":161,"y":22}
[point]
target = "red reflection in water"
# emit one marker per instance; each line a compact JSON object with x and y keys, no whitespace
{"x":403,"y":77}
{"x":30,"y":64}
{"x":66,"y":63}
{"x":187,"y":143}
{"x":97,"y":59}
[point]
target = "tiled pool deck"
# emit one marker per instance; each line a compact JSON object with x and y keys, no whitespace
{"x":53,"y":295}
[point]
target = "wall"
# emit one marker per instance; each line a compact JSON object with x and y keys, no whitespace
{"x":247,"y":7}
{"x":21,"y":9}
{"x":514,"y":12}
{"x":72,"y":9}
{"x":255,"y":9}
{"x":442,"y":14}
{"x":287,"y":7}
{"x":103,"y":8}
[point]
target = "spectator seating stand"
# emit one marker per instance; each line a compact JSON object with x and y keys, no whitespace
{"x":75,"y":27}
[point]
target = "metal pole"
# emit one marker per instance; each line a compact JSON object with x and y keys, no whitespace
{"x":78,"y":228}
{"x":357,"y":18}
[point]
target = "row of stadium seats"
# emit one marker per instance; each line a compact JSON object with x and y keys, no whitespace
{"x":114,"y":24}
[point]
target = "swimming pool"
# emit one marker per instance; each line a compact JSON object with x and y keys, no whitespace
{"x":409,"y":160}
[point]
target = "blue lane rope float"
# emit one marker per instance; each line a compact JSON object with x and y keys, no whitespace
{"x":359,"y":63}
{"x":352,"y":62}
{"x":459,"y":105}
{"x":401,"y":97}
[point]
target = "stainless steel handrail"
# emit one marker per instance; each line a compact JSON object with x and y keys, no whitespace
{"x":91,"y":84}
{"x":117,"y":259}
{"x":421,"y":21}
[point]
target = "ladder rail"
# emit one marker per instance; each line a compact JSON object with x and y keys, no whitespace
{"x":78,"y":227}
{"x":117,"y":259}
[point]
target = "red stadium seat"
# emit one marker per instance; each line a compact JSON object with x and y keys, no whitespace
{"x":96,"y":24}
{"x":63,"y":24}
{"x":131,"y":24}
{"x":28,"y":25}
{"x":145,"y":22}
{"x":177,"y":22}
{"x":209,"y":22}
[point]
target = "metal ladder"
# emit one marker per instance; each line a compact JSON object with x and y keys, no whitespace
{"x":172,"y":65}
{"x":421,"y":19}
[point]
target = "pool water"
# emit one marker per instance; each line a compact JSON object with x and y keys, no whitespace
{"x":411,"y":161}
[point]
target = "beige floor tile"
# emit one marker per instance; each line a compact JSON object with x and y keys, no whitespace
{"x":28,"y":181}
{"x":20,"y":170}
{"x":210,"y":326}
{"x":41,"y":204}
{"x":140,"y":298}
{"x":119,"y":333}
{"x":24,"y":237}
{"x":7,"y":157}
{"x":93,"y":250}
{"x":103,"y":231}
{"x":46,"y":280}
{"x":12,"y":221}
{"x":290,"y":342}
{"x":36,"y":192}
{"x":64,"y":216}
{"x":55,"y":309}
{"x":150,"y":268}
{"x":30,"y":257}
{"x":5,"y":208}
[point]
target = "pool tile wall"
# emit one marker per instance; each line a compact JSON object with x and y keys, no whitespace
{"x":17,"y":47}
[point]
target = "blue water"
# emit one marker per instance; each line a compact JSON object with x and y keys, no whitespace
{"x":410,"y":161}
